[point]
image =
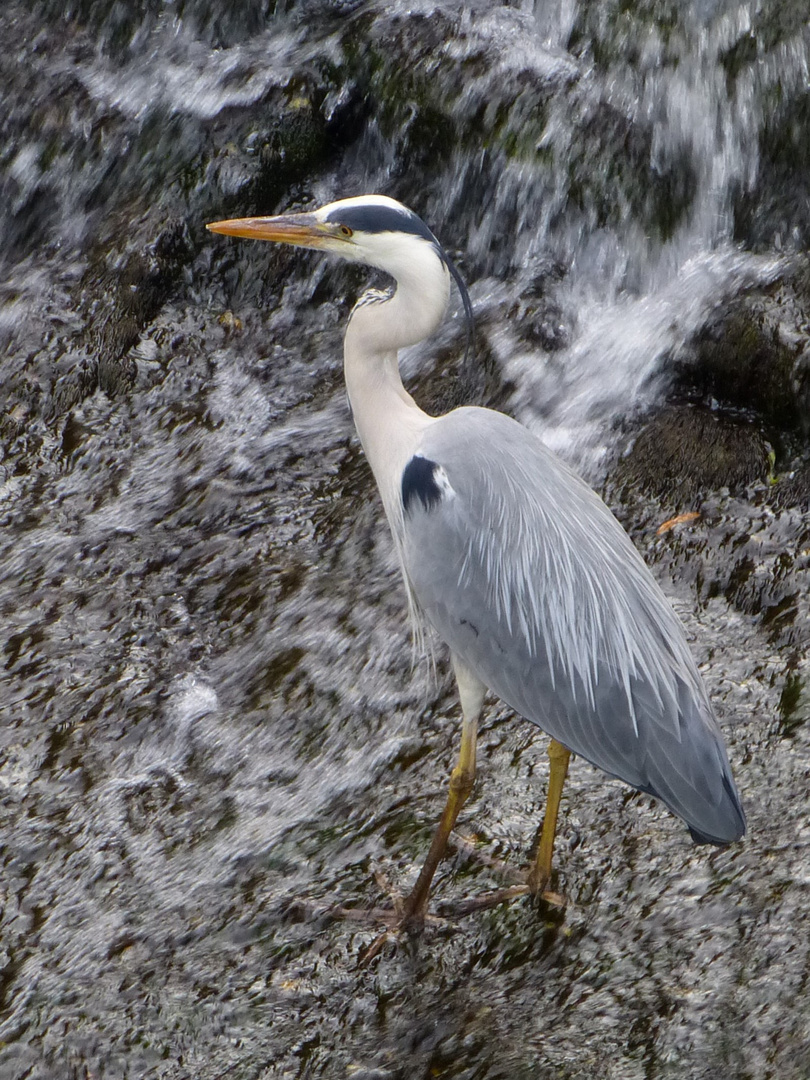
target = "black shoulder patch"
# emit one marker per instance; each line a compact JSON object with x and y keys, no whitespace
{"x":419,"y":482}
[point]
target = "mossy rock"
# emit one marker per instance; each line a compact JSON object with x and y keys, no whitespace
{"x":775,"y":211}
{"x":793,"y":489}
{"x":295,"y":143}
{"x":743,"y":361}
{"x":755,"y":356}
{"x":120,"y":298}
{"x":686,"y":452}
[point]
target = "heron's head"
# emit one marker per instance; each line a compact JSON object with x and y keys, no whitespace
{"x":370,"y":229}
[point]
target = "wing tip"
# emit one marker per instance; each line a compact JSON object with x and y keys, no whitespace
{"x":729,"y":825}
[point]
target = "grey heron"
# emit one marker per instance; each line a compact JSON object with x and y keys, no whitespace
{"x":516,"y":563}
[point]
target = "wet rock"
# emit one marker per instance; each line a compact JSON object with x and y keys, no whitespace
{"x":293,"y":147}
{"x":775,"y":209}
{"x":212,"y":730}
{"x":121,"y":300}
{"x":794,"y":704}
{"x":793,"y":489}
{"x":744,"y":360}
{"x":686,"y":452}
{"x":457,"y":379}
{"x":538,"y":318}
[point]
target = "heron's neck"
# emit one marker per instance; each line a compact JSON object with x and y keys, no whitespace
{"x":388,"y":420}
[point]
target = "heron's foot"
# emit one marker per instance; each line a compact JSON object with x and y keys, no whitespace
{"x":412,"y":910}
{"x":534,"y":882}
{"x":391,"y":917}
{"x":409,"y":915}
{"x":537,"y":887}
{"x":404,"y":914}
{"x":549,"y":896}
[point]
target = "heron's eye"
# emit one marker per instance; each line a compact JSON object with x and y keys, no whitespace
{"x":345,"y":230}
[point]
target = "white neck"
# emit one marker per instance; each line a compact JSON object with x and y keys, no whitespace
{"x":388,"y":420}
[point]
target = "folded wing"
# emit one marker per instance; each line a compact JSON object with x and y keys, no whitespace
{"x":525,"y":574}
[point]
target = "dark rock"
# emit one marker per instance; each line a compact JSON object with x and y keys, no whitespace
{"x":743,"y":360}
{"x":686,"y":452}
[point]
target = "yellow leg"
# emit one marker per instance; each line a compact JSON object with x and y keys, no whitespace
{"x":541,"y":871}
{"x":471,"y":692}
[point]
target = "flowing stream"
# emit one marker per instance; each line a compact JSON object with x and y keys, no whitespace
{"x":211,"y":726}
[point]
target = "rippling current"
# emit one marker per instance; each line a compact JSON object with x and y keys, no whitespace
{"x":211,"y":726}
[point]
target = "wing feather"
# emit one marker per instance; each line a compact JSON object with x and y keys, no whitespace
{"x":529,"y":578}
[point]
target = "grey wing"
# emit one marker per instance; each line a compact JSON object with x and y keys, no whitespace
{"x":528,"y":577}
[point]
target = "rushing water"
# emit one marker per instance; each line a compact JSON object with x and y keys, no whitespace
{"x":211,"y":728}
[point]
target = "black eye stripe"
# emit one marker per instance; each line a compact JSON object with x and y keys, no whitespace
{"x":377,"y":219}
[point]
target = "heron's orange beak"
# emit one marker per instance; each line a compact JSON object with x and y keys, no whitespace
{"x":302,"y":230}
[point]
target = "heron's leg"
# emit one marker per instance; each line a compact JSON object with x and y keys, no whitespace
{"x":471,"y":691}
{"x":541,"y":871}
